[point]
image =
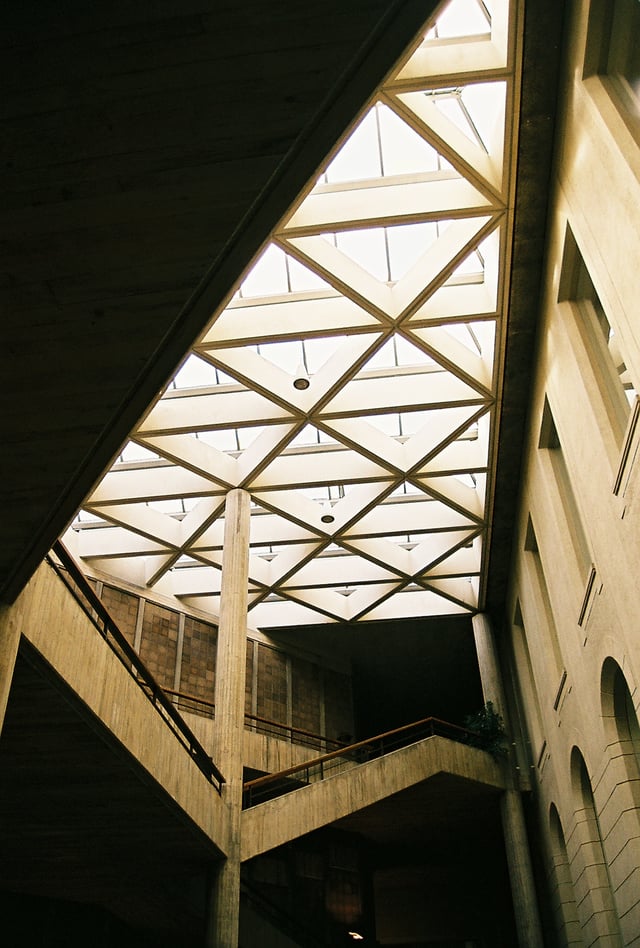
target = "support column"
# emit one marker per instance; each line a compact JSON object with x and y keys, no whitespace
{"x":10,"y":623}
{"x":224,"y":905}
{"x":523,"y":893}
{"x":490,"y":676}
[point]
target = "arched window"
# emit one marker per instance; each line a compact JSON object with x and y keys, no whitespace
{"x":620,"y":783}
{"x":598,"y":915}
{"x":620,"y":718}
{"x":563,"y":899}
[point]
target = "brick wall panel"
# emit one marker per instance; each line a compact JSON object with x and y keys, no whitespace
{"x":197,"y":672}
{"x":306,"y":695}
{"x":272,"y":684}
{"x":123,"y":608}
{"x":159,"y":643}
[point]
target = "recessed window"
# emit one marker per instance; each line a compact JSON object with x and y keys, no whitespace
{"x":603,"y":344}
{"x":613,"y":51}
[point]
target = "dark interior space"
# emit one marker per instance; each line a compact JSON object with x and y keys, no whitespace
{"x":403,"y":671}
{"x":30,"y":921}
{"x":425,"y":867}
{"x":82,"y":824}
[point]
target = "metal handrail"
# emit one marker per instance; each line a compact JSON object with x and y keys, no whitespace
{"x":76,"y":582}
{"x":266,"y":726}
{"x":183,"y":696}
{"x":274,"y":784}
{"x":260,"y":724}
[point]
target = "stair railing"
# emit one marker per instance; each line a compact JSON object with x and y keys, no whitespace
{"x":76,"y":582}
{"x":262,"y":788}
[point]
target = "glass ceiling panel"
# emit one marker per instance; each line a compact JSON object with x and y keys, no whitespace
{"x":359,"y":157}
{"x":177,"y":507}
{"x":269,"y":275}
{"x":388,"y":253}
{"x":403,"y":150}
{"x":196,"y":373}
{"x":462,"y":18}
{"x":472,"y":108}
{"x":311,"y":437}
{"x":352,"y":389}
{"x":136,"y":452}
{"x":397,"y":352}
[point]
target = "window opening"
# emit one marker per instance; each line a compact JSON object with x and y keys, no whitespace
{"x":613,"y":51}
{"x":602,"y":343}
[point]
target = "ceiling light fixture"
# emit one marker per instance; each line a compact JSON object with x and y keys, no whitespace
{"x":301,"y":380}
{"x":327,"y":514}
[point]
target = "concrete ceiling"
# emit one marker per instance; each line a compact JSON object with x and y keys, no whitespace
{"x":148,"y":152}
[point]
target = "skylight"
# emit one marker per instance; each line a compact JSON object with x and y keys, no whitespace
{"x":351,"y":383}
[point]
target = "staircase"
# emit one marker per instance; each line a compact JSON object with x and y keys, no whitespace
{"x":284,"y":806}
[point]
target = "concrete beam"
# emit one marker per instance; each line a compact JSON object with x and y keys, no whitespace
{"x":76,"y":652}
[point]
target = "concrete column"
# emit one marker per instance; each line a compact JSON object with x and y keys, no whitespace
{"x":523,"y":893}
{"x":490,"y":676}
{"x":224,"y":906}
{"x":10,"y":622}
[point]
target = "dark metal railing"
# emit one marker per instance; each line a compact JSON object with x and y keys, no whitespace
{"x":192,"y":703}
{"x":79,"y":587}
{"x":260,"y":725}
{"x":271,"y":785}
{"x":295,"y":735}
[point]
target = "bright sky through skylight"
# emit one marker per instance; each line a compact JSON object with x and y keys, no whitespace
{"x":351,"y":384}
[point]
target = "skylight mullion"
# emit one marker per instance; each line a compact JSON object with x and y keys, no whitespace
{"x":313,"y":317}
{"x":388,"y":393}
{"x":336,"y":212}
{"x":150,"y":484}
{"x":197,"y":412}
{"x":475,"y":371}
{"x":344,"y":275}
{"x":376,"y":111}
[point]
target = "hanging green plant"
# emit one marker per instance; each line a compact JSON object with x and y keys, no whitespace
{"x":487,"y":731}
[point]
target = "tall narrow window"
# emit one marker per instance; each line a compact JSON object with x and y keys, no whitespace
{"x":550,"y":441}
{"x":600,"y":339}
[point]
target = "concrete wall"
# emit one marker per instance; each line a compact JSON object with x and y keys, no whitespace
{"x":573,"y":637}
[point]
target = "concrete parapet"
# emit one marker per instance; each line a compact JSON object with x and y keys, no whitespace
{"x":287,"y":817}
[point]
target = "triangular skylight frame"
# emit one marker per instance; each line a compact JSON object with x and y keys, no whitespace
{"x":432,"y":484}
